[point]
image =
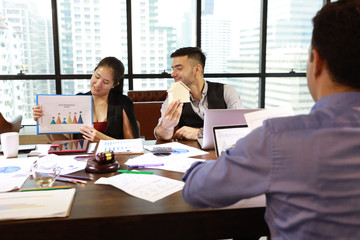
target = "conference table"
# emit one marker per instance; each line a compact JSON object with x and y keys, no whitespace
{"x":105,"y":212}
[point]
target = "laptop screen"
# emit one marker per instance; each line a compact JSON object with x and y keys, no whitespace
{"x":225,"y":137}
{"x":221,"y":117}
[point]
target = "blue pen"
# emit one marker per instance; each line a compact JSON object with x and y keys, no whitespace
{"x":146,"y":165}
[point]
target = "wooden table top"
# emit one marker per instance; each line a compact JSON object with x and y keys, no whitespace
{"x":103,"y":211}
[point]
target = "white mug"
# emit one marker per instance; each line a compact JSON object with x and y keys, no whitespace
{"x":10,"y":144}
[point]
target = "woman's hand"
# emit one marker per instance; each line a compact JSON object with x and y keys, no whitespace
{"x":37,"y":112}
{"x":93,"y":135}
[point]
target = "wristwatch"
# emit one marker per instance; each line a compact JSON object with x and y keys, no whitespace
{"x":201,"y":133}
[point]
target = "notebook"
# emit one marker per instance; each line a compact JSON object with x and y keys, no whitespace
{"x":221,"y":117}
{"x":225,"y":137}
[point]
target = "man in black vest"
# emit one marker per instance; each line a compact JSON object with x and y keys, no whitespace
{"x":188,"y":66}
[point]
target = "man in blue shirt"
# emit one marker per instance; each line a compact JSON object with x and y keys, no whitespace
{"x":308,"y":166}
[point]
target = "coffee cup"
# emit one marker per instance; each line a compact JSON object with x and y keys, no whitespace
{"x":10,"y":144}
{"x":45,"y":171}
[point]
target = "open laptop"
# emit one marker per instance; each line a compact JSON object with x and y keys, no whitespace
{"x":221,"y":117}
{"x":225,"y":137}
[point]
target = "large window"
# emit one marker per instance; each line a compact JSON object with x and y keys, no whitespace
{"x":90,"y":31}
{"x":260,"y":47}
{"x":230,"y":36}
{"x":158,"y":30}
{"x":26,"y":47}
{"x":289,"y":29}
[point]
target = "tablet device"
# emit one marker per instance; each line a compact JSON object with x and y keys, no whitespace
{"x":221,"y":117}
{"x":225,"y":137}
{"x":69,"y":146}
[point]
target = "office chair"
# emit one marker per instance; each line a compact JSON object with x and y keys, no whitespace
{"x":147,"y":105}
{"x":10,"y":126}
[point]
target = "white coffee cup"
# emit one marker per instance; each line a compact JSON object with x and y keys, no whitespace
{"x":10,"y":144}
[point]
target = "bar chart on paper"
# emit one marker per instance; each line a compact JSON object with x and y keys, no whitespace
{"x":121,"y":146}
{"x":37,"y":204}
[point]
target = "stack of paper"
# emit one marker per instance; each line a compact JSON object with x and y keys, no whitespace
{"x":14,"y":172}
{"x":36,"y":204}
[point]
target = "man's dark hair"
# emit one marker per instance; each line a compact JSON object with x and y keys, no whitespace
{"x":336,"y":36}
{"x":192,"y":53}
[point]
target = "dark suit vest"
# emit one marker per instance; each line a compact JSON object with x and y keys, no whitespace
{"x":215,"y":98}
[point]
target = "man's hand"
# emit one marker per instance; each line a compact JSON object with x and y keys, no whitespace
{"x":172,"y":115}
{"x":187,"y":133}
{"x":170,"y":119}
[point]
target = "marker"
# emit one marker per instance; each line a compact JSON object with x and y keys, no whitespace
{"x":136,"y":172}
{"x":44,"y":188}
{"x":77,"y":177}
{"x":84,"y":156}
{"x":71,"y":180}
{"x":146,"y":165}
{"x":65,"y":180}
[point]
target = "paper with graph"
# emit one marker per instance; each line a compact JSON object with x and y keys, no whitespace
{"x":36,"y":204}
{"x":64,"y":113}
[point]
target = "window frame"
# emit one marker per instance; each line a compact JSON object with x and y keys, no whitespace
{"x":131,"y":77}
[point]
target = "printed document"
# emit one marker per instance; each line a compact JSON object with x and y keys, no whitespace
{"x":256,"y":119}
{"x":64,"y":113}
{"x":170,"y":163}
{"x":14,"y":172}
{"x":36,"y":204}
{"x":67,"y":163}
{"x":179,"y":150}
{"x":144,"y":186}
{"x":126,"y":146}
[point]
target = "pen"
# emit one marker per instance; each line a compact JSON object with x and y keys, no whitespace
{"x":146,"y":165}
{"x":77,"y":177}
{"x":65,"y":180}
{"x":70,"y":180}
{"x":136,"y":172}
{"x":84,"y":156}
{"x":44,"y":188}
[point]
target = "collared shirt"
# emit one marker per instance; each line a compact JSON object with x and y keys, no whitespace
{"x":231,"y":97}
{"x":307,"y":165}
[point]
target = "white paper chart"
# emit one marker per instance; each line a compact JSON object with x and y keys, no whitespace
{"x":121,"y":146}
{"x":64,"y":113}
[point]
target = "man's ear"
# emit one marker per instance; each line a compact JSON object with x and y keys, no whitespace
{"x":198,"y":68}
{"x":318,"y":63}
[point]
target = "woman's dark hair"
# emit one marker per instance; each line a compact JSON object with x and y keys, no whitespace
{"x":118,"y":70}
{"x":192,"y":53}
{"x":336,"y":36}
